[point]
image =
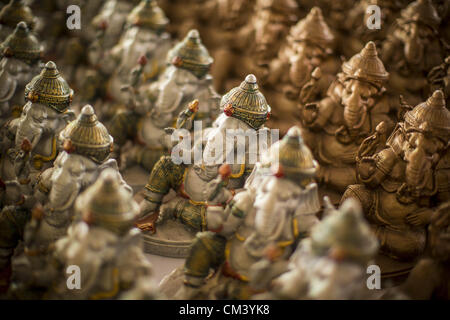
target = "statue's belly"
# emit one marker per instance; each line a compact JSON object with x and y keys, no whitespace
{"x":392,"y":211}
{"x":239,"y":259}
{"x":194,"y":186}
{"x":335,"y":153}
{"x":151,"y":134}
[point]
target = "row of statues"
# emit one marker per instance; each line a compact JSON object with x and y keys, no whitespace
{"x":360,"y":176}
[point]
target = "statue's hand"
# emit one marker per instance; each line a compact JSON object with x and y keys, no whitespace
{"x":291,"y":92}
{"x":309,"y":113}
{"x":420,"y":218}
{"x":366,"y":167}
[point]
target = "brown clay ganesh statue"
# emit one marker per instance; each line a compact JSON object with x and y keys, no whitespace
{"x":412,"y":49}
{"x":361,"y":16}
{"x":401,"y":184}
{"x":430,"y":278}
{"x":226,"y":32}
{"x":271,"y":23}
{"x":335,"y":126}
{"x":293,"y":72}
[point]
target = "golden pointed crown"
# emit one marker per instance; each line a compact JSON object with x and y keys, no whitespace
{"x":434,"y":113}
{"x":108,"y":204}
{"x":87,"y":136}
{"x":294,"y":156}
{"x":14,"y":12}
{"x":366,"y":65}
{"x":149,"y":15}
{"x":313,"y":28}
{"x":191,"y":54}
{"x":50,"y":89}
{"x":22,"y":44}
{"x":246,"y":103}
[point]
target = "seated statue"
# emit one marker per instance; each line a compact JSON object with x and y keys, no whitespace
{"x":303,"y":70}
{"x":331,"y":263}
{"x":144,"y":37}
{"x":245,"y":112}
{"x":103,"y":244}
{"x":412,"y":49}
{"x":334,"y":127}
{"x":405,"y":178}
{"x":20,"y":62}
{"x":157,"y":106}
{"x":277,"y":208}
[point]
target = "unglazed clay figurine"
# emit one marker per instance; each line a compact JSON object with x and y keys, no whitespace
{"x":308,"y":46}
{"x":21,"y":54}
{"x":13,"y":13}
{"x":271,"y":23}
{"x":186,"y":79}
{"x":266,"y":219}
{"x":245,"y":110}
{"x":226,"y":31}
{"x":335,"y":126}
{"x":439,"y":78}
{"x":144,"y":36}
{"x":184,"y":15}
{"x":412,"y":49}
{"x":406,"y":179}
{"x":430,"y":278}
{"x":32,"y":140}
{"x":332,"y":262}
{"x":360,"y":17}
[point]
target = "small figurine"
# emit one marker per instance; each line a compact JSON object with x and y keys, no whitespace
{"x":430,"y":278}
{"x":332,"y":262}
{"x":338,"y":15}
{"x":184,"y":15}
{"x":267,"y":218}
{"x":186,"y":79}
{"x":439,"y":79}
{"x":104,"y":245}
{"x":21,"y":53}
{"x":304,"y":61}
{"x":86,"y":149}
{"x":271,"y":23}
{"x":335,"y":126}
{"x":412,"y":49}
{"x":403,"y":179}
{"x":144,"y":36}
{"x":359,"y":19}
{"x":13,"y":13}
{"x":109,"y":22}
{"x":32,"y":140}
{"x":245,"y":109}
{"x":227,"y":33}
